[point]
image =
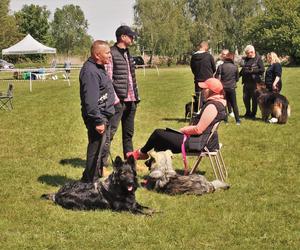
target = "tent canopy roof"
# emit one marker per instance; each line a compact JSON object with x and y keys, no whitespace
{"x":28,"y":46}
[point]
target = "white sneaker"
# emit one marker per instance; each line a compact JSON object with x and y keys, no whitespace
{"x":231,"y":114}
{"x":273,"y":120}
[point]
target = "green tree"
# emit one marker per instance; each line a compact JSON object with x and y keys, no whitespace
{"x":163,"y":26}
{"x":69,"y":30}
{"x":221,"y":22}
{"x":33,"y":19}
{"x":8,"y":29}
{"x":277,"y":28}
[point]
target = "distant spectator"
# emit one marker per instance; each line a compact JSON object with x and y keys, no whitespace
{"x":229,"y":75}
{"x":273,"y":73}
{"x":220,"y":60}
{"x":251,"y":72}
{"x":203,"y":67}
{"x":67,"y":66}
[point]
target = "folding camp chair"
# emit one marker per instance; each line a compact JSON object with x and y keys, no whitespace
{"x":6,"y":100}
{"x":215,"y":157}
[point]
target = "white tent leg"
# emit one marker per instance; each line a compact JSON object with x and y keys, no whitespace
{"x":30,"y":82}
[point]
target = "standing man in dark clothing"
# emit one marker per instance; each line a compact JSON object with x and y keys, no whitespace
{"x":122,"y":72}
{"x":97,"y":107}
{"x":251,"y":72}
{"x":203,"y":67}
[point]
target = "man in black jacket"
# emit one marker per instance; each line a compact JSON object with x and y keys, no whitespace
{"x":122,"y":71}
{"x":251,"y":72}
{"x":203,"y":67}
{"x":97,"y":107}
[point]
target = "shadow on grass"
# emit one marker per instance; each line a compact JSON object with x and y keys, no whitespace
{"x":54,"y":180}
{"x":75,"y":162}
{"x":175,"y":119}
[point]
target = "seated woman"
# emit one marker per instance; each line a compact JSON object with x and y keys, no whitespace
{"x":213,"y":111}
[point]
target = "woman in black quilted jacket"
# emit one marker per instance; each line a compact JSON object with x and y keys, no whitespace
{"x":229,"y":75}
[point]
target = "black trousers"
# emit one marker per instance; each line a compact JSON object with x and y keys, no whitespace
{"x":94,"y":161}
{"x":198,"y":99}
{"x":161,"y":140}
{"x":248,"y":96}
{"x":230,"y":95}
{"x":124,"y":113}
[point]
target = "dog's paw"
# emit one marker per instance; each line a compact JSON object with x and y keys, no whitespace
{"x":273,"y":120}
{"x":220,"y":185}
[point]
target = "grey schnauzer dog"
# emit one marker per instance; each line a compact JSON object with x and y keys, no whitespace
{"x":163,"y":178}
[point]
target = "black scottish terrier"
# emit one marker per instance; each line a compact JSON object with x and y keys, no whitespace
{"x":117,"y":192}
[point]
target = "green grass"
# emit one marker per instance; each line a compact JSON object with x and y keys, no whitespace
{"x":260,"y":211}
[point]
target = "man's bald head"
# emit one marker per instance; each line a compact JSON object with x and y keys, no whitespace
{"x":203,"y":46}
{"x":100,"y":51}
{"x":96,"y":46}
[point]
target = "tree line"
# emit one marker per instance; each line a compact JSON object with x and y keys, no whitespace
{"x":174,"y":27}
{"x":67,"y":32}
{"x":171,"y":28}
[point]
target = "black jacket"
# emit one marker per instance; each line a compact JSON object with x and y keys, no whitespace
{"x":272,"y":71}
{"x":120,"y":72}
{"x":203,"y":66}
{"x":228,"y":74}
{"x":252,"y":70}
{"x":96,"y":94}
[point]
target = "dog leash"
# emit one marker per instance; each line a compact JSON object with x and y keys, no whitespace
{"x":185,"y":137}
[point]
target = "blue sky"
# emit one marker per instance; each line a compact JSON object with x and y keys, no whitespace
{"x":104,"y":16}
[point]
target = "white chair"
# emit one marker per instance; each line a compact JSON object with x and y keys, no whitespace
{"x":215,"y":157}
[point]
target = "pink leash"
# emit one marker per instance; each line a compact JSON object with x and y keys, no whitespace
{"x":185,"y":137}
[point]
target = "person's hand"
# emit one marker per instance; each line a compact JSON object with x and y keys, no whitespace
{"x":182,"y":130}
{"x":100,"y":129}
{"x":275,"y":87}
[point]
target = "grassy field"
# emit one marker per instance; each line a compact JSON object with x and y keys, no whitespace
{"x":43,"y":145}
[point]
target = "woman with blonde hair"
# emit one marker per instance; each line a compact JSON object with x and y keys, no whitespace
{"x":273,"y":73}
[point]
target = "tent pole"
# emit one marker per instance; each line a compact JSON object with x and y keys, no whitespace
{"x":30,"y":82}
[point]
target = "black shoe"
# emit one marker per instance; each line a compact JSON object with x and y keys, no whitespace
{"x":247,"y":116}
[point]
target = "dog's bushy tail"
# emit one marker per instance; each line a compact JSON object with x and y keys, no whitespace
{"x":285,"y":110}
{"x":48,"y":197}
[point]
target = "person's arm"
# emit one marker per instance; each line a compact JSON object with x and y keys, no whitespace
{"x":278,"y":73}
{"x":206,"y":119}
{"x":109,"y":69}
{"x":90,"y":86}
{"x":237,"y":76}
{"x":193,"y":66}
{"x":213,"y":64}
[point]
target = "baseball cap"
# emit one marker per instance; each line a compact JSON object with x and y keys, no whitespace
{"x":125,"y":30}
{"x":213,"y":84}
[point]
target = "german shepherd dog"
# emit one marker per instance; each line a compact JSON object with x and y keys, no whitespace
{"x":117,"y":192}
{"x":273,"y":104}
{"x":164,"y":179}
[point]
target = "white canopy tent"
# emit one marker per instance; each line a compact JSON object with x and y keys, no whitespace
{"x":28,"y":46}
